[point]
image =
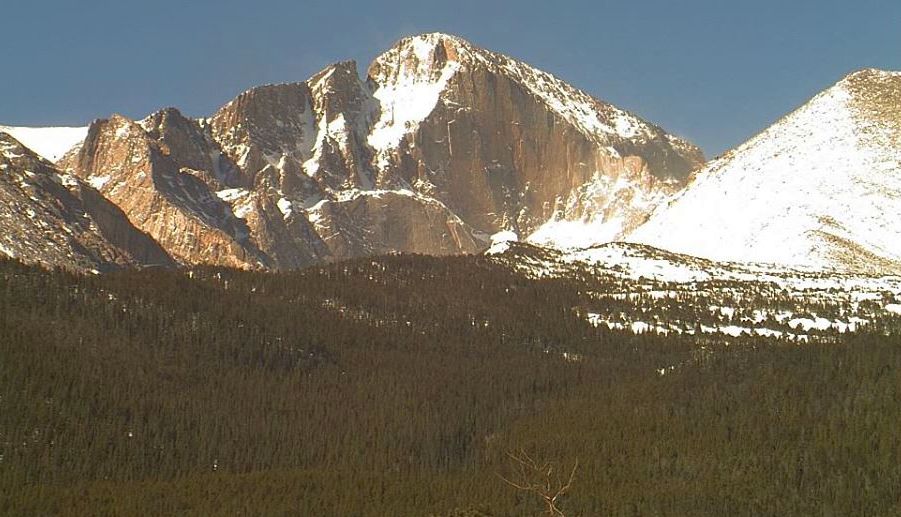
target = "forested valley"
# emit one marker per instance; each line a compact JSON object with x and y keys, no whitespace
{"x":402,"y":385}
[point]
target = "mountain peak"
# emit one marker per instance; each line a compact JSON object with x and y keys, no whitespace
{"x":435,"y":39}
{"x":168,"y":112}
{"x":874,"y":97}
{"x":437,"y":35}
{"x":871,"y":74}
{"x":817,"y":188}
{"x":425,"y":56}
{"x":441,"y":145}
{"x":871,"y":84}
{"x":348,"y":67}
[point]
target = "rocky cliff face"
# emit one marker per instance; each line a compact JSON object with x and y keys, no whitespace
{"x":173,"y":203}
{"x":55,"y":219}
{"x":440,"y":146}
{"x":509,"y":147}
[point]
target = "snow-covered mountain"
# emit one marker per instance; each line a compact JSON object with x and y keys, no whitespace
{"x":441,"y":145}
{"x":50,"y":143}
{"x":821,"y":187}
{"x":444,"y":148}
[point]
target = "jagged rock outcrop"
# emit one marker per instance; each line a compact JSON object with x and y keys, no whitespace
{"x":821,"y":187}
{"x":174,"y":204}
{"x":442,"y":145}
{"x":54,"y":219}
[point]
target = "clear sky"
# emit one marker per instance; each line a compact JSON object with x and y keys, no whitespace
{"x":714,"y":71}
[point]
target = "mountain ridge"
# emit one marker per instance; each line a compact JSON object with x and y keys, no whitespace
{"x":57,"y":220}
{"x":441,"y":145}
{"x":816,"y":188}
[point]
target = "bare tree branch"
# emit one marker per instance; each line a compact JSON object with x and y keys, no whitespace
{"x":539,"y":479}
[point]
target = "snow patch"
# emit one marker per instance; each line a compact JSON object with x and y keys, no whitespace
{"x":123,"y":131}
{"x":51,"y":143}
{"x":285,"y":207}
{"x":231,"y":194}
{"x":239,"y":199}
{"x":98,"y":182}
{"x":500,"y":242}
{"x":893,"y":308}
{"x":409,"y":96}
{"x":67,"y":180}
{"x":563,"y":234}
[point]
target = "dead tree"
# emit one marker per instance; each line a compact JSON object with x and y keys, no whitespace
{"x":541,"y":479}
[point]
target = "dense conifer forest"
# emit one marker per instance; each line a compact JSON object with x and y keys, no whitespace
{"x":399,"y":385}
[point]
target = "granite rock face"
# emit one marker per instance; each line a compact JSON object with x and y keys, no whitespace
{"x":507,"y":146}
{"x":441,"y":145}
{"x":162,"y":195}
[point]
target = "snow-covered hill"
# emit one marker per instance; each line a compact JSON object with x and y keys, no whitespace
{"x":50,"y":143}
{"x":821,"y":187}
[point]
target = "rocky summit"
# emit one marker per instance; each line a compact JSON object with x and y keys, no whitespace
{"x":440,"y":146}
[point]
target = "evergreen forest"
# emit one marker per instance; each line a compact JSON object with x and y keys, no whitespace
{"x":406,"y":386}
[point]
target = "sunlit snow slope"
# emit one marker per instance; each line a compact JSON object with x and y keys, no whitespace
{"x":49,"y":142}
{"x":821,"y":187}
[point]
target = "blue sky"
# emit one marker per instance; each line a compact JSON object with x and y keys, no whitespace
{"x":715,"y":72}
